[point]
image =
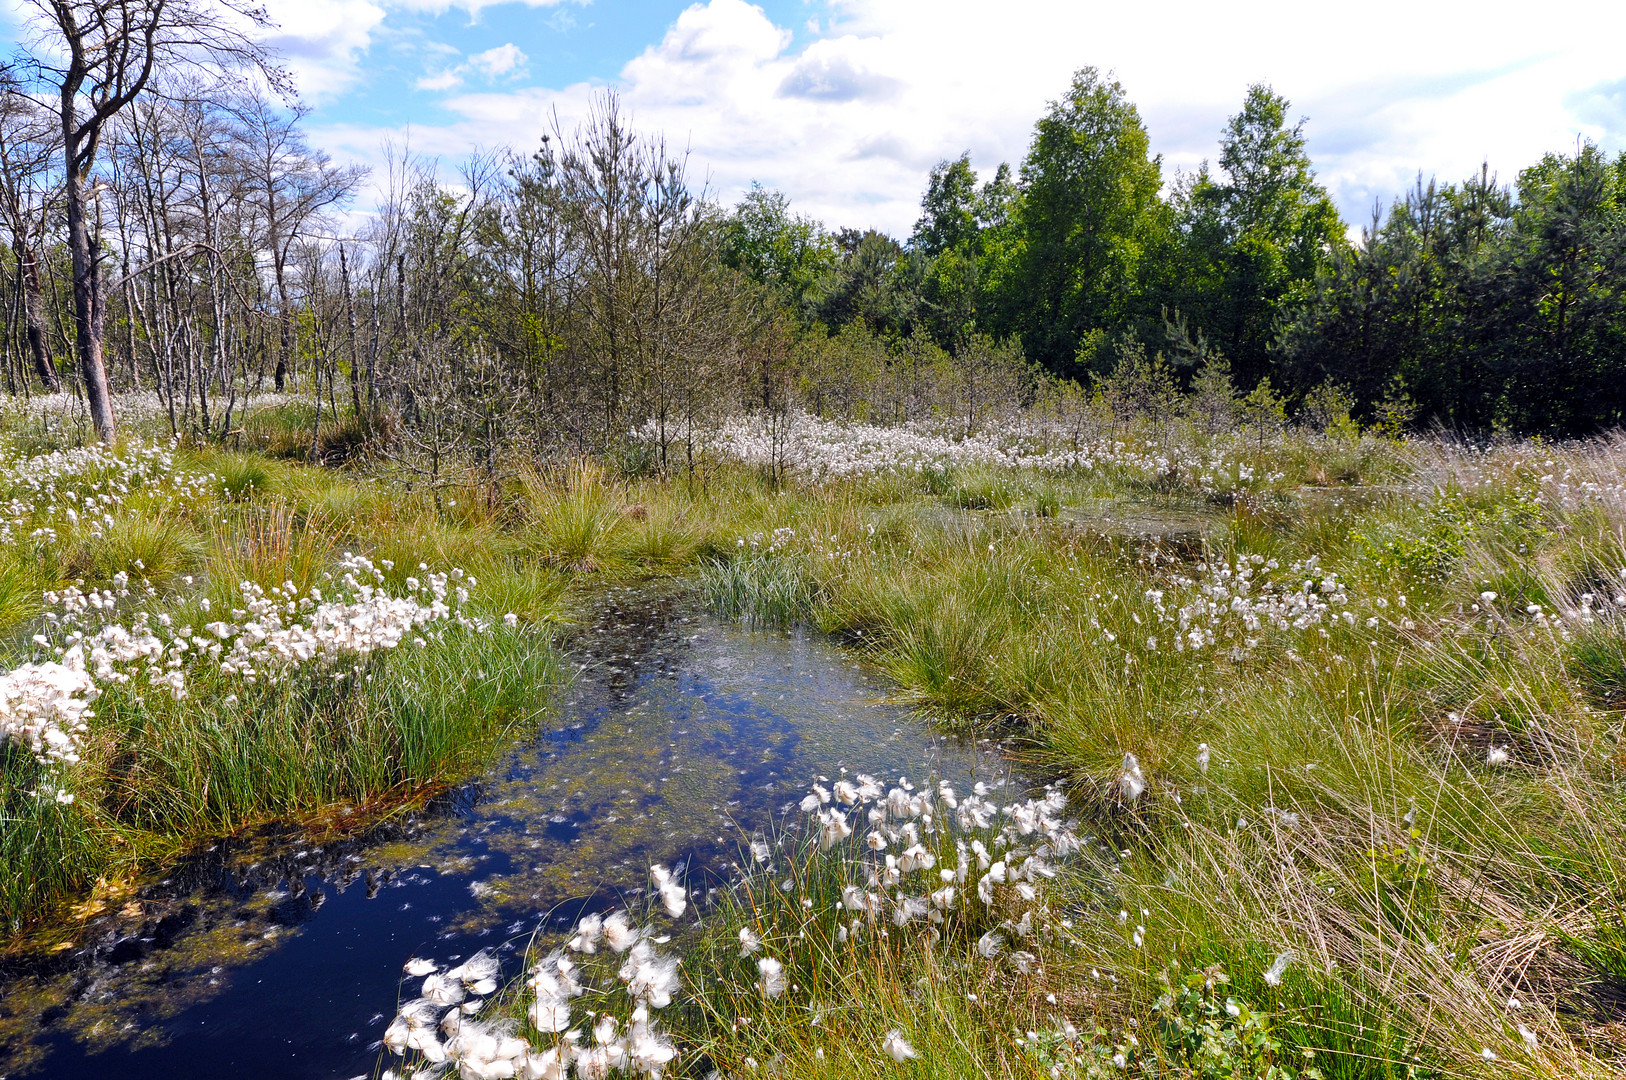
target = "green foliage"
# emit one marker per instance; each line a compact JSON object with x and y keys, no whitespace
{"x":1212,"y":401}
{"x":877,"y":282}
{"x":1327,"y":409}
{"x":1263,"y":412}
{"x":1402,"y":878}
{"x":1253,"y":239}
{"x":948,"y":210}
{"x":1492,"y":311}
{"x":1140,"y":387}
{"x":1427,"y":547}
{"x":1598,"y":659}
{"x":760,"y":589}
{"x":242,"y":476}
{"x":788,"y":253}
{"x":1462,"y":304}
{"x":1392,"y":414}
{"x":578,"y":523}
{"x":159,"y":546}
{"x":1209,"y":1037}
{"x":1088,"y":212}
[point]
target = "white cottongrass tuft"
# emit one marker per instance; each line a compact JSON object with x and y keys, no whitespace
{"x":619,"y":933}
{"x":1273,"y":975}
{"x":945,"y":857}
{"x":897,"y":1047}
{"x":589,"y":932}
{"x":44,"y":706}
{"x":770,"y":977}
{"x":1131,"y":781}
{"x":1498,"y":756}
{"x":673,"y":896}
{"x":1203,"y":754}
{"x":650,"y":978}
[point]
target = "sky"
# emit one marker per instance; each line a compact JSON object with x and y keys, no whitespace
{"x":846,"y":104}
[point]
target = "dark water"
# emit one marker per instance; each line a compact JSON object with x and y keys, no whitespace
{"x":268,"y":957}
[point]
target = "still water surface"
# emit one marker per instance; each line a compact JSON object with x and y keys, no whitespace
{"x":266,"y":957}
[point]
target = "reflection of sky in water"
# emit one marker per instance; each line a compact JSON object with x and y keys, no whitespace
{"x":268,"y":958}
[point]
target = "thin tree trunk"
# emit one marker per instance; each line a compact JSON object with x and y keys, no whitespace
{"x":86,"y":299}
{"x":33,"y":305}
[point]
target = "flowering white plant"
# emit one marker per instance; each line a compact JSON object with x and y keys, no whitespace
{"x":45,"y":705}
{"x":441,"y":1027}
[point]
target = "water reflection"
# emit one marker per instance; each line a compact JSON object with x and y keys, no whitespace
{"x":272,"y":958}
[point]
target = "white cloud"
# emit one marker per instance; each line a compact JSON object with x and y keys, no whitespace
{"x":503,"y":60}
{"x":322,"y":41}
{"x":473,"y":7}
{"x":849,"y":125}
{"x":445,"y":80}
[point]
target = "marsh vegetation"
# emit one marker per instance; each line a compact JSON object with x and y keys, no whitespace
{"x":1248,"y":546}
{"x":1333,"y":720}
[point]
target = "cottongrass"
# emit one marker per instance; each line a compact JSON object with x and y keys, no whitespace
{"x":933,"y":864}
{"x":45,"y":706}
{"x":818,"y":450}
{"x":271,"y":634}
{"x":609,"y":960}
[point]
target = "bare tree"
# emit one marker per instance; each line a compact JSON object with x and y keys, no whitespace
{"x":93,"y":58}
{"x":28,"y":194}
{"x":290,"y":186}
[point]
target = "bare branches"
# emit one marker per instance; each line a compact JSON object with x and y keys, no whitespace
{"x":95,"y":58}
{"x":572,"y":300}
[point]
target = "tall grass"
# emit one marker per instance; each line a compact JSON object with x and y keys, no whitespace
{"x":159,"y":774}
{"x":1392,"y":833}
{"x":1424,"y":812}
{"x":409,"y":720}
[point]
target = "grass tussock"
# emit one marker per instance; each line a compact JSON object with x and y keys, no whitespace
{"x":163,"y":546}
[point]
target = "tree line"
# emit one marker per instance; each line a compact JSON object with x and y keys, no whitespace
{"x":172,"y":231}
{"x":1475,"y":305}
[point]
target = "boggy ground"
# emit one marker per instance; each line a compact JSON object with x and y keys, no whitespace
{"x":1339,"y":722}
{"x":1354,"y":747}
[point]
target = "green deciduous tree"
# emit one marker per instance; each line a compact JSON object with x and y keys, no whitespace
{"x":1087,"y":213}
{"x":787,"y":252}
{"x":1252,"y":237}
{"x":949,"y":210}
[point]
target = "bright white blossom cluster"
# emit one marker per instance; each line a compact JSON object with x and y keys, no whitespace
{"x":822,"y":449}
{"x":1235,"y":600}
{"x":95,"y":646}
{"x":912,"y":861}
{"x":83,"y":490}
{"x":608,"y":957}
{"x":274,"y":631}
{"x":930,"y":856}
{"x":44,"y":706}
{"x":132,"y":407}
